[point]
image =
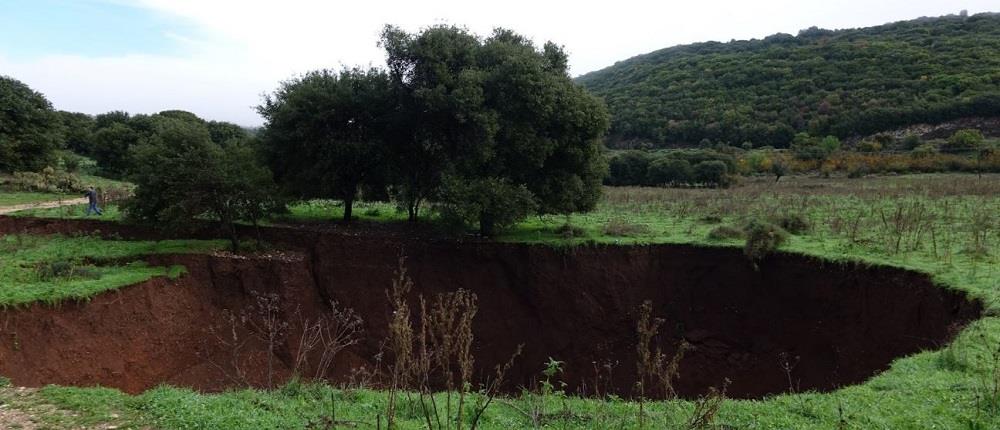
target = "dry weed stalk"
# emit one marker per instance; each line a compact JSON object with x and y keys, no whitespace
{"x":653,"y":366}
{"x":707,"y":408}
{"x":265,"y":321}
{"x":400,"y":339}
{"x":230,"y":338}
{"x":437,"y":353}
{"x":329,"y":333}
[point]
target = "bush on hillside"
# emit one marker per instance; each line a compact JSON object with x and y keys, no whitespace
{"x":48,"y":180}
{"x":964,"y":140}
{"x":793,"y":223}
{"x":712,"y":173}
{"x":628,"y":168}
{"x":666,"y":171}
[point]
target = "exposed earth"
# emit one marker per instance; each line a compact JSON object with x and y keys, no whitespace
{"x":794,"y":323}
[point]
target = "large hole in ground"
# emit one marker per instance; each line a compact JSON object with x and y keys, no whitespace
{"x":827,"y":324}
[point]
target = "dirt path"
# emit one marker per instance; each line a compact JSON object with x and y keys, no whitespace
{"x":25,"y":409}
{"x":44,"y":205}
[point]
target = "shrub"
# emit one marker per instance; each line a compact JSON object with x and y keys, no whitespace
{"x":664,"y":171}
{"x":711,"y":173}
{"x":779,"y":168}
{"x":923,"y":151}
{"x":910,"y":142}
{"x":805,"y":147}
{"x":628,"y":168}
{"x":763,"y":238}
{"x":64,"y":269}
{"x":711,"y":219}
{"x":725,"y":232}
{"x":794,"y":223}
{"x":48,"y":180}
{"x":620,"y":227}
{"x":857,"y":171}
{"x":869,"y":146}
{"x":964,"y":140}
{"x":569,"y":231}
{"x":758,"y":162}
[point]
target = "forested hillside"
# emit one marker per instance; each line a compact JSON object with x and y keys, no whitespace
{"x":842,"y":83}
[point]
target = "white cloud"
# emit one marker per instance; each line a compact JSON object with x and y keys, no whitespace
{"x":244,"y":48}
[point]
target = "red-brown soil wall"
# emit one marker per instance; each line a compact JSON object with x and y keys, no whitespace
{"x":837,"y":323}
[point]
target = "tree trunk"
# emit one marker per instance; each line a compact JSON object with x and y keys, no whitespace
{"x":234,"y":238}
{"x":230,"y":227}
{"x":348,"y":209}
{"x":413,"y":209}
{"x":486,"y":224}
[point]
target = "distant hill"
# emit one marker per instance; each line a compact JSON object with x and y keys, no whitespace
{"x":843,"y":83}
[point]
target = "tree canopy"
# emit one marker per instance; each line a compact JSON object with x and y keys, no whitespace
{"x":491,"y":128}
{"x":183,"y":177}
{"x":841,"y":83}
{"x":29,"y":128}
{"x":497,"y":115}
{"x":325,"y":133}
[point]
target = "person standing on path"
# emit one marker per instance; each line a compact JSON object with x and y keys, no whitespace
{"x":91,"y":196}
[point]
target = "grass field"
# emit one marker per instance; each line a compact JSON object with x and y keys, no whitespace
{"x":945,"y":225}
{"x":51,"y":269}
{"x":13,"y":198}
{"x":20,"y":198}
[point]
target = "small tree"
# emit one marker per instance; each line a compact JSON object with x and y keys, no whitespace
{"x":182,"y":177}
{"x":829,"y":144}
{"x":712,"y":173}
{"x":964,"y":140}
{"x":911,"y":142}
{"x":806,"y":147}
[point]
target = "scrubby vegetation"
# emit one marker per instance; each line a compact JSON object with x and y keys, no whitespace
{"x":965,"y":151}
{"x":822,"y":82}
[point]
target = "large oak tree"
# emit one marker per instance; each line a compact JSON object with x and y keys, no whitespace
{"x":501,"y":118}
{"x":324,"y":132}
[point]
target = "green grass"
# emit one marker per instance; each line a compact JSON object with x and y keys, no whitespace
{"x":110,"y":212}
{"x":919,"y":392}
{"x":11,"y":198}
{"x":330,"y":210}
{"x":946,"y":225}
{"x":105,"y":183}
{"x":88,"y":265}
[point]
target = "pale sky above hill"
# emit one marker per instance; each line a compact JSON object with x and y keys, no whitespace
{"x":216,"y":57}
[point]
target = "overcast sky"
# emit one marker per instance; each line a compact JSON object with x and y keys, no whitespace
{"x":216,"y":57}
